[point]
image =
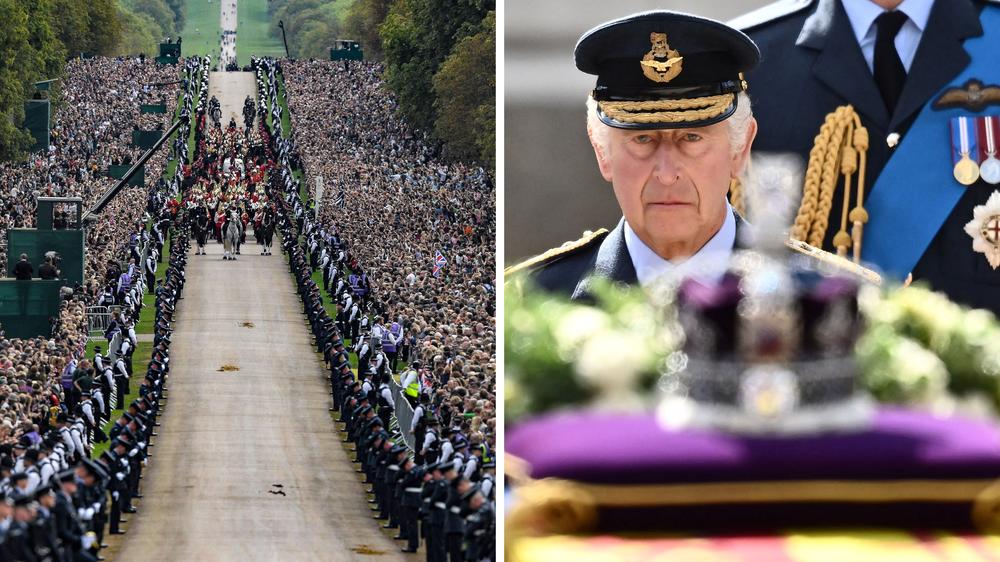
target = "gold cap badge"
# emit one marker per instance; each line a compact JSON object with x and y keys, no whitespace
{"x":661,"y":63}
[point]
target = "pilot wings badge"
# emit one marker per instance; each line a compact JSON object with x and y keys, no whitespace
{"x":973,"y":96}
{"x":661,"y":63}
{"x":984,"y":229}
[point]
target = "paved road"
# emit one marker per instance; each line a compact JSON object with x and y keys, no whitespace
{"x":229,"y":438}
{"x":232,"y":89}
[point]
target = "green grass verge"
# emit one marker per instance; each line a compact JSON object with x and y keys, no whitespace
{"x":253,"y":32}
{"x":202,"y":29}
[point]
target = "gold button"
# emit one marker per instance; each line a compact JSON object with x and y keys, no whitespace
{"x":892,"y":140}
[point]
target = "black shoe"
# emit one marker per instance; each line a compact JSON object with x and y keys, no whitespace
{"x":389,"y":526}
{"x":118,"y":532}
{"x":407,"y":549}
{"x":130,"y":510}
{"x":378,"y":516}
{"x":399,"y":538}
{"x":104,"y":545}
{"x":137,"y":497}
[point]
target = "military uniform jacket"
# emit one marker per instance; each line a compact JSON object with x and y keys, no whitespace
{"x":811,"y":64}
{"x":438,"y":502}
{"x":570,"y":269}
{"x":411,"y":484}
{"x":67,"y":525}
{"x":454,"y":522}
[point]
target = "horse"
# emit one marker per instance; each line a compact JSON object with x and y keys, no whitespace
{"x":231,"y":239}
{"x":266,"y":232}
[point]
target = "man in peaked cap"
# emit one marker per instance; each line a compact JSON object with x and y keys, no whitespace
{"x":671,"y":127}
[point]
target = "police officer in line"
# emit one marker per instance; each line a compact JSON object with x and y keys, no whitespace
{"x":912,"y":70}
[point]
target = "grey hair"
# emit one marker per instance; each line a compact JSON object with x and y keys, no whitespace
{"x":739,"y":123}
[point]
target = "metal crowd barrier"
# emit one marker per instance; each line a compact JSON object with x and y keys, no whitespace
{"x":404,"y":414}
{"x":98,"y":319}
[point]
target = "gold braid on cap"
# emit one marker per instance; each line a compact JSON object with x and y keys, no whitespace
{"x":667,"y":111}
{"x":840,"y":149}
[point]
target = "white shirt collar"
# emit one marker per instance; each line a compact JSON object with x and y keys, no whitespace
{"x":649,"y":266}
{"x":862,"y":14}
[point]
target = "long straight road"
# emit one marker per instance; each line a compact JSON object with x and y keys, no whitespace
{"x":229,"y":439}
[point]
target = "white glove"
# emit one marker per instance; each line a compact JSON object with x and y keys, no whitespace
{"x":120,"y":475}
{"x":87,"y":541}
{"x":133,"y":452}
{"x":114,"y":496}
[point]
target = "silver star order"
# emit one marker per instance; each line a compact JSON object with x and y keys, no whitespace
{"x":985,"y":240}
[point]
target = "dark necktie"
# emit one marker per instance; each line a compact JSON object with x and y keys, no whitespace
{"x":889,"y":71}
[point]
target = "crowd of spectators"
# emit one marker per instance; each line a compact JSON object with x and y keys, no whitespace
{"x":92,"y":129}
{"x":391,"y":214}
{"x":96,"y":110}
{"x":51,"y":404}
{"x":419,"y":230}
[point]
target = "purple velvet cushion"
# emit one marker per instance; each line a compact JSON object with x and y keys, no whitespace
{"x":632,"y":449}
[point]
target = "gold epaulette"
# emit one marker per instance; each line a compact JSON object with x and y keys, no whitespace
{"x":551,"y":255}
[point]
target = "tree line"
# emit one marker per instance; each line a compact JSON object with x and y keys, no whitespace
{"x":439,"y":56}
{"x":40,"y":35}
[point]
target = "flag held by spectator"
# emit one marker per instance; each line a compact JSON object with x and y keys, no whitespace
{"x":439,"y":263}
